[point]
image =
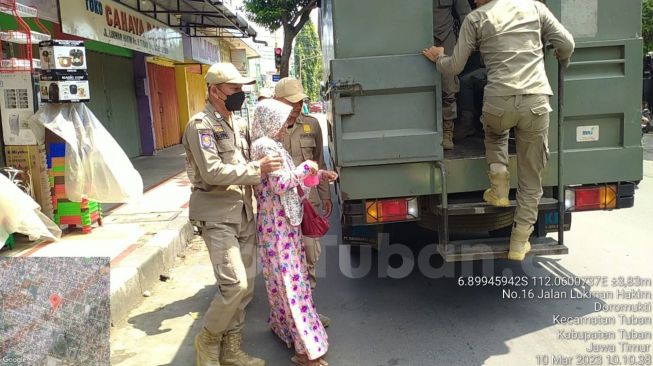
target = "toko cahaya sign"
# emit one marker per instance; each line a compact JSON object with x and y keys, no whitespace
{"x":110,"y":22}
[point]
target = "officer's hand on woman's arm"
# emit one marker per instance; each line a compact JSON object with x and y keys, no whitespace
{"x":270,"y":164}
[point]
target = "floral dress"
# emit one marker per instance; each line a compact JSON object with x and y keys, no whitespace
{"x":293,"y":316}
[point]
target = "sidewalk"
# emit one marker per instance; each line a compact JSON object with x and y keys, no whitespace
{"x":141,"y":238}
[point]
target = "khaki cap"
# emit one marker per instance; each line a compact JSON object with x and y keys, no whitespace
{"x":290,"y":89}
{"x":226,"y":73}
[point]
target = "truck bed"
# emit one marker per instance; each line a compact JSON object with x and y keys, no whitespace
{"x":473,"y":147}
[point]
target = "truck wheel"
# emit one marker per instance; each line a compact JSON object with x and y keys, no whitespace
{"x":504,"y":232}
{"x":489,"y":222}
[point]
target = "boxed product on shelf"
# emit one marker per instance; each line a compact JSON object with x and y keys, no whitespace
{"x":62,"y":55}
{"x":62,"y":87}
{"x":16,"y":106}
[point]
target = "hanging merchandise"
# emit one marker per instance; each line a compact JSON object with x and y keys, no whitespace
{"x":19,"y":213}
{"x":65,"y":86}
{"x":96,"y":167}
{"x":64,"y":78}
{"x":62,"y":55}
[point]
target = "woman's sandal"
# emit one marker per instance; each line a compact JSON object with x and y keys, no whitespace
{"x":304,"y":361}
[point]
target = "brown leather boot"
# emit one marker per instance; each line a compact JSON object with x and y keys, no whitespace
{"x":519,"y":245}
{"x":497,"y":194}
{"x":232,"y":355}
{"x":207,"y":347}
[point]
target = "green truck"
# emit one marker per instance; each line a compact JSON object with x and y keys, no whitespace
{"x":385,"y":128}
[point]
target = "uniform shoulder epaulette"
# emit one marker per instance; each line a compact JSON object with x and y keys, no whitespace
{"x":312,"y":119}
{"x":198,"y":117}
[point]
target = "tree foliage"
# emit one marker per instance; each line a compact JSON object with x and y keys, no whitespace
{"x":308,"y":54}
{"x":291,"y":15}
{"x":647,"y":25}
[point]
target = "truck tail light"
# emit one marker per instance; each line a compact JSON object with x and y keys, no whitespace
{"x":391,"y":210}
{"x":604,"y":197}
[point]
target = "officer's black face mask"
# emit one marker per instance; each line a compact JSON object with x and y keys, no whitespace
{"x":234,"y":102}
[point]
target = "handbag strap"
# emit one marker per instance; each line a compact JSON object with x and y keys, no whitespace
{"x":300,"y":191}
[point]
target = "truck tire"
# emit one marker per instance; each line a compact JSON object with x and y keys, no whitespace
{"x":489,"y":222}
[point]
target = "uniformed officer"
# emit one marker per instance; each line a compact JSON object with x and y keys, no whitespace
{"x":445,"y":14}
{"x":222,"y":175}
{"x":509,"y":34}
{"x":304,"y":142}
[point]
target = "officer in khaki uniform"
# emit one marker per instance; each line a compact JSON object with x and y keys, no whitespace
{"x":509,"y":34}
{"x":445,"y":13}
{"x":304,"y":142}
{"x":221,"y":204}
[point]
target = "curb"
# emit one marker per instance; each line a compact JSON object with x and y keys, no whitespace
{"x":141,"y":269}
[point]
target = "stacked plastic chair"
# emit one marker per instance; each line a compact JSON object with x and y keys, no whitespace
{"x":73,"y":214}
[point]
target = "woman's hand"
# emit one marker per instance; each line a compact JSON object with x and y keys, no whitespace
{"x":328,"y":175}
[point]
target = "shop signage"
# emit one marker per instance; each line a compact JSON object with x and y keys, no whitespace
{"x":239,"y":59}
{"x":110,"y":22}
{"x":202,"y":50}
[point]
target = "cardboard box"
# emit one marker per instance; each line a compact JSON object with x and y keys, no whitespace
{"x":16,"y":106}
{"x":64,"y":87}
{"x":62,"y":55}
{"x":32,"y":159}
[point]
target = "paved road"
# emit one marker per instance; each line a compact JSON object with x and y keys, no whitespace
{"x":647,"y":143}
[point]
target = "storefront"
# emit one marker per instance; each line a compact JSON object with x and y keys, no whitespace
{"x":123,"y":82}
{"x":113,"y":99}
{"x":143,"y":85}
{"x":163,"y":101}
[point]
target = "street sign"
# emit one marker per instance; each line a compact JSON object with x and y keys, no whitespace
{"x":276,"y":78}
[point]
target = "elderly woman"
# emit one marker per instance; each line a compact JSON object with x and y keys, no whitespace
{"x":293,"y":316}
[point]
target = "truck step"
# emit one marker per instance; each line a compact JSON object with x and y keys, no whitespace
{"x":468,"y":250}
{"x":480,"y":208}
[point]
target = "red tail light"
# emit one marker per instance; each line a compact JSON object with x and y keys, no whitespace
{"x":591,"y":198}
{"x":389,"y":210}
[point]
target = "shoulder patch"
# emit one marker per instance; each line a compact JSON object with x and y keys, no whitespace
{"x":206,"y":138}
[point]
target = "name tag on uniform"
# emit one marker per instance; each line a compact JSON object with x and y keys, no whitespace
{"x":221,"y":135}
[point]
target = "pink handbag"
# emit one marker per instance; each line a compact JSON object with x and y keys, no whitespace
{"x":313,"y":224}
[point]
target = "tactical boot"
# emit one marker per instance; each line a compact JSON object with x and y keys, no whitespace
{"x":324,"y":320}
{"x":232,"y":355}
{"x":447,"y":135}
{"x":519,"y":245}
{"x":464,"y":127}
{"x":497,"y":194}
{"x":207,"y":348}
